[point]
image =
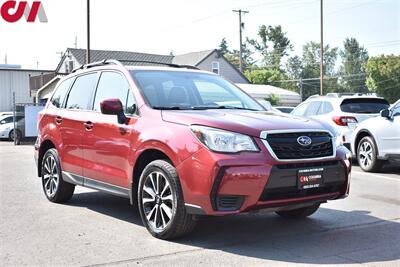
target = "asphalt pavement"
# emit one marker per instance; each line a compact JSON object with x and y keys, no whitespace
{"x":96,"y":229}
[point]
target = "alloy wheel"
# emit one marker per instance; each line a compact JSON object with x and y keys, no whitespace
{"x":365,"y":154}
{"x":50,"y":176}
{"x":157,"y":200}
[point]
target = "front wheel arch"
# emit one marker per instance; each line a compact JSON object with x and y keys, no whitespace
{"x":360,"y":136}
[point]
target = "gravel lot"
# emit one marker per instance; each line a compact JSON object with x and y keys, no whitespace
{"x":98,"y":229}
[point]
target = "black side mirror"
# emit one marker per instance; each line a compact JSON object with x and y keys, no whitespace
{"x":113,"y":106}
{"x":385,"y":113}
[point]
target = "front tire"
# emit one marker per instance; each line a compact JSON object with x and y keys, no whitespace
{"x":367,"y":155}
{"x":54,"y":187}
{"x":298,"y":213}
{"x":160,"y":201}
{"x":12,"y":136}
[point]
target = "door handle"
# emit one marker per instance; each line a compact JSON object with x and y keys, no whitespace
{"x":58,"y":120}
{"x":88,"y":125}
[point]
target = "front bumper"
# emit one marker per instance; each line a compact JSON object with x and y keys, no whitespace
{"x":219,"y":184}
{"x":4,"y":134}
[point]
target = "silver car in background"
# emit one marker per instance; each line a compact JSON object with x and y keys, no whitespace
{"x":377,"y":140}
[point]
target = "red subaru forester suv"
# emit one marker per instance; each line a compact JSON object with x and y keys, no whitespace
{"x":181,"y":143}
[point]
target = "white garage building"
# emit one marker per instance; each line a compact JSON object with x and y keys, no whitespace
{"x":15,"y":79}
{"x":261,"y":91}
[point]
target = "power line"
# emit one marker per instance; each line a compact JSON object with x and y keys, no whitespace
{"x":325,"y":78}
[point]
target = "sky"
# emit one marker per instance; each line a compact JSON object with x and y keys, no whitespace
{"x":183,"y":26}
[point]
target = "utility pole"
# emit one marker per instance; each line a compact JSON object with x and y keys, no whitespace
{"x":321,"y":63}
{"x":88,"y":33}
{"x":5,"y":59}
{"x":300,"y":85}
{"x":14,"y":119}
{"x":240,"y":36}
{"x":76,"y":42}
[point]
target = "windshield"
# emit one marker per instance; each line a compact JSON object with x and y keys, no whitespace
{"x":191,"y":90}
{"x":364,"y":105}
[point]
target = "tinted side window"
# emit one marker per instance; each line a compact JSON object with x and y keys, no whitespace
{"x":60,"y":94}
{"x":81,"y":91}
{"x":300,"y":110}
{"x":325,"y":108}
{"x":111,"y":85}
{"x":313,"y":108}
{"x":7,"y":120}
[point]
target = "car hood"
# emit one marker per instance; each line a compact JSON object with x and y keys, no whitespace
{"x":245,"y":122}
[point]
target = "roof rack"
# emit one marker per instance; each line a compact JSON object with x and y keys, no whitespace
{"x":97,"y":64}
{"x":120,"y":62}
{"x":159,"y":63}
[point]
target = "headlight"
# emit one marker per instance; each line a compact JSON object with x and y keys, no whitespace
{"x":223,"y":141}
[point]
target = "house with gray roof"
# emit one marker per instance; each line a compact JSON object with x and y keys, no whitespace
{"x":208,"y":60}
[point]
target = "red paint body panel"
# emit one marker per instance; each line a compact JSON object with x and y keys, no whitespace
{"x":108,"y":151}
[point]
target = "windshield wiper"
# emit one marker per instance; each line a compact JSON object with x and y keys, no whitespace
{"x":169,"y":108}
{"x":233,"y":107}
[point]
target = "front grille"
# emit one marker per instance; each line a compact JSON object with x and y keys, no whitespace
{"x":286,"y":147}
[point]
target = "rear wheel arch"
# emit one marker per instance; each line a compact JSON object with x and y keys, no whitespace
{"x":46,"y":145}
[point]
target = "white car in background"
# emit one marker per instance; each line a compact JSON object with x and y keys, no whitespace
{"x":7,"y":127}
{"x":342,"y":112}
{"x":377,"y":140}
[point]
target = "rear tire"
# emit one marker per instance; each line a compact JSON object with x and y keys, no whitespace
{"x":160,"y":202}
{"x":367,"y":155}
{"x":298,"y":213}
{"x":54,"y":187}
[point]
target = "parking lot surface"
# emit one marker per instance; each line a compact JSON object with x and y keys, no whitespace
{"x":96,"y":229}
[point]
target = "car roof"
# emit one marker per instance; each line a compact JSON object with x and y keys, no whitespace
{"x":340,"y":99}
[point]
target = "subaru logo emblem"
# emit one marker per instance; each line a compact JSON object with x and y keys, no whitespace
{"x":304,"y":140}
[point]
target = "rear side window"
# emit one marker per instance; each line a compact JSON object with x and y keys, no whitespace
{"x":364,"y":105}
{"x":325,"y":108}
{"x":10,"y":119}
{"x":60,"y":94}
{"x":81,"y":92}
{"x":300,"y":110}
{"x":111,"y":85}
{"x":313,"y":108}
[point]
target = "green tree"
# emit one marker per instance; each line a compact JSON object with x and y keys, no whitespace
{"x":223,"y":47}
{"x":354,"y":58}
{"x":233,"y":56}
{"x":265,"y":76}
{"x":294,"y":67}
{"x":273,"y":99}
{"x":273,"y":45}
{"x":383,"y":76}
{"x":311,"y":68}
